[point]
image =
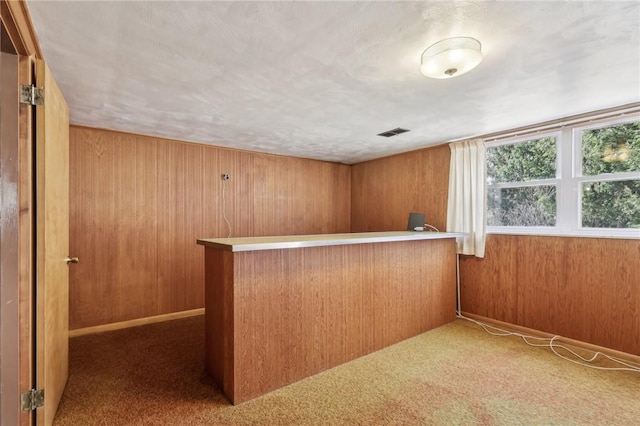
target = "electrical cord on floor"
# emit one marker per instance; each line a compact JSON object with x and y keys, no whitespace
{"x":549,"y":343}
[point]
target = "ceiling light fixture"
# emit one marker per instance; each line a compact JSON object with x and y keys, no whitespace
{"x":451,"y":57}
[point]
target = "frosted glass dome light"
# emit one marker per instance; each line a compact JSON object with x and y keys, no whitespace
{"x":451,"y":57}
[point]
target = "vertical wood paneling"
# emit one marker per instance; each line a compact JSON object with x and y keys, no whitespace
{"x":287,"y":202}
{"x":114,"y":209}
{"x":238,"y":193}
{"x":135,"y":215}
{"x":541,"y":306}
{"x":138,"y":204}
{"x":180,"y":270}
{"x":91,"y":198}
{"x":297,"y":312}
{"x":584,"y":288}
{"x":219,"y":323}
{"x":25,"y":237}
{"x":272,"y":193}
{"x":12,"y":225}
{"x":604,"y":291}
{"x":488,"y":284}
{"x":385,"y":191}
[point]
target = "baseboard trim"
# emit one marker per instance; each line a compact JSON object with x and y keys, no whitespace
{"x":635,"y":359}
{"x":134,"y":323}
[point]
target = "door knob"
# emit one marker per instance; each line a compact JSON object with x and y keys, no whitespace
{"x":71,"y":260}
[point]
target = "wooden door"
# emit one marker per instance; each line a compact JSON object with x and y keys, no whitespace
{"x":52,"y":244}
{"x":9,"y":269}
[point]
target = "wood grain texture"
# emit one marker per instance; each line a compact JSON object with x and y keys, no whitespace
{"x":385,"y":191}
{"x":135,"y":190}
{"x":180,"y":196}
{"x":233,"y":198}
{"x":9,"y":241}
{"x":26,"y":238}
{"x":586,"y":289}
{"x":301,"y":203}
{"x":52,"y":237}
{"x":498,"y":297}
{"x":113,"y":210}
{"x":265,"y":196}
{"x":135,"y":322}
{"x":583,"y":288}
{"x":16,"y":23}
{"x":139,"y":203}
{"x":219,"y":321}
{"x":603,"y":280}
{"x":588,"y":348}
{"x":15,"y":16}
{"x":541,"y":258}
{"x":296,"y":312}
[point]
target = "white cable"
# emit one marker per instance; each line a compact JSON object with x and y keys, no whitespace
{"x":550,"y":344}
{"x":426,"y":225}
{"x":224,"y":209}
{"x":631,"y":366}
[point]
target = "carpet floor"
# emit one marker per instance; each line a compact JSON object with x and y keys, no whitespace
{"x":453,"y":375}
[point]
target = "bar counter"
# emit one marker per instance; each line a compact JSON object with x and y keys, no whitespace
{"x":319,"y":240}
{"x":279,"y":309}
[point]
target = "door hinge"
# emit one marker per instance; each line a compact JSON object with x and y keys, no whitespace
{"x":32,"y":399}
{"x":31,"y":95}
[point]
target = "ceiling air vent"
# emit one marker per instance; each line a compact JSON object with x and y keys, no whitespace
{"x":393,"y":132}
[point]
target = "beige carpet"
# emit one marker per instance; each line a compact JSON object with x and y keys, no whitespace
{"x":454,"y":375}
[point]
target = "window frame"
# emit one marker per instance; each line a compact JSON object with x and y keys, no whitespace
{"x":569,"y":181}
{"x":528,"y":183}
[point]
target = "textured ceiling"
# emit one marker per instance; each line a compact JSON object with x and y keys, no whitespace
{"x":322,"y":79}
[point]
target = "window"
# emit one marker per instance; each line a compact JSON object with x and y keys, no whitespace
{"x":609,"y":176}
{"x":521,"y":183}
{"x":579,"y":180}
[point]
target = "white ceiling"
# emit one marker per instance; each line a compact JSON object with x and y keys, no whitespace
{"x":322,"y":79}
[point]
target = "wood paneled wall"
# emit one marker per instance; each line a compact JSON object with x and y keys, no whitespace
{"x":586,"y":289}
{"x":277,"y":316}
{"x":139,"y":203}
{"x":385,"y":191}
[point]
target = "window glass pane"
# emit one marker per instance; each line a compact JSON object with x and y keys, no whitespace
{"x":611,"y":149}
{"x":611,"y":204}
{"x":523,"y":161}
{"x":525,"y":206}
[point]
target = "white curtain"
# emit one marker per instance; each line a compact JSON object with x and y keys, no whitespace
{"x":467,"y":198}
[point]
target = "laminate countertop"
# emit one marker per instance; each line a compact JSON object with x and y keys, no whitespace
{"x":319,"y":240}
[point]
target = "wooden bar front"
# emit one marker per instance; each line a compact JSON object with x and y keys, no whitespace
{"x":274,"y":317}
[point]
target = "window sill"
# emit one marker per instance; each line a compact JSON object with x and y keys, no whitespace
{"x":548,"y":232}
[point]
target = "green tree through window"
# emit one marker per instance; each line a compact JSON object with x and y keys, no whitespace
{"x":609,"y":151}
{"x":598,"y":189}
{"x":511,"y":201}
